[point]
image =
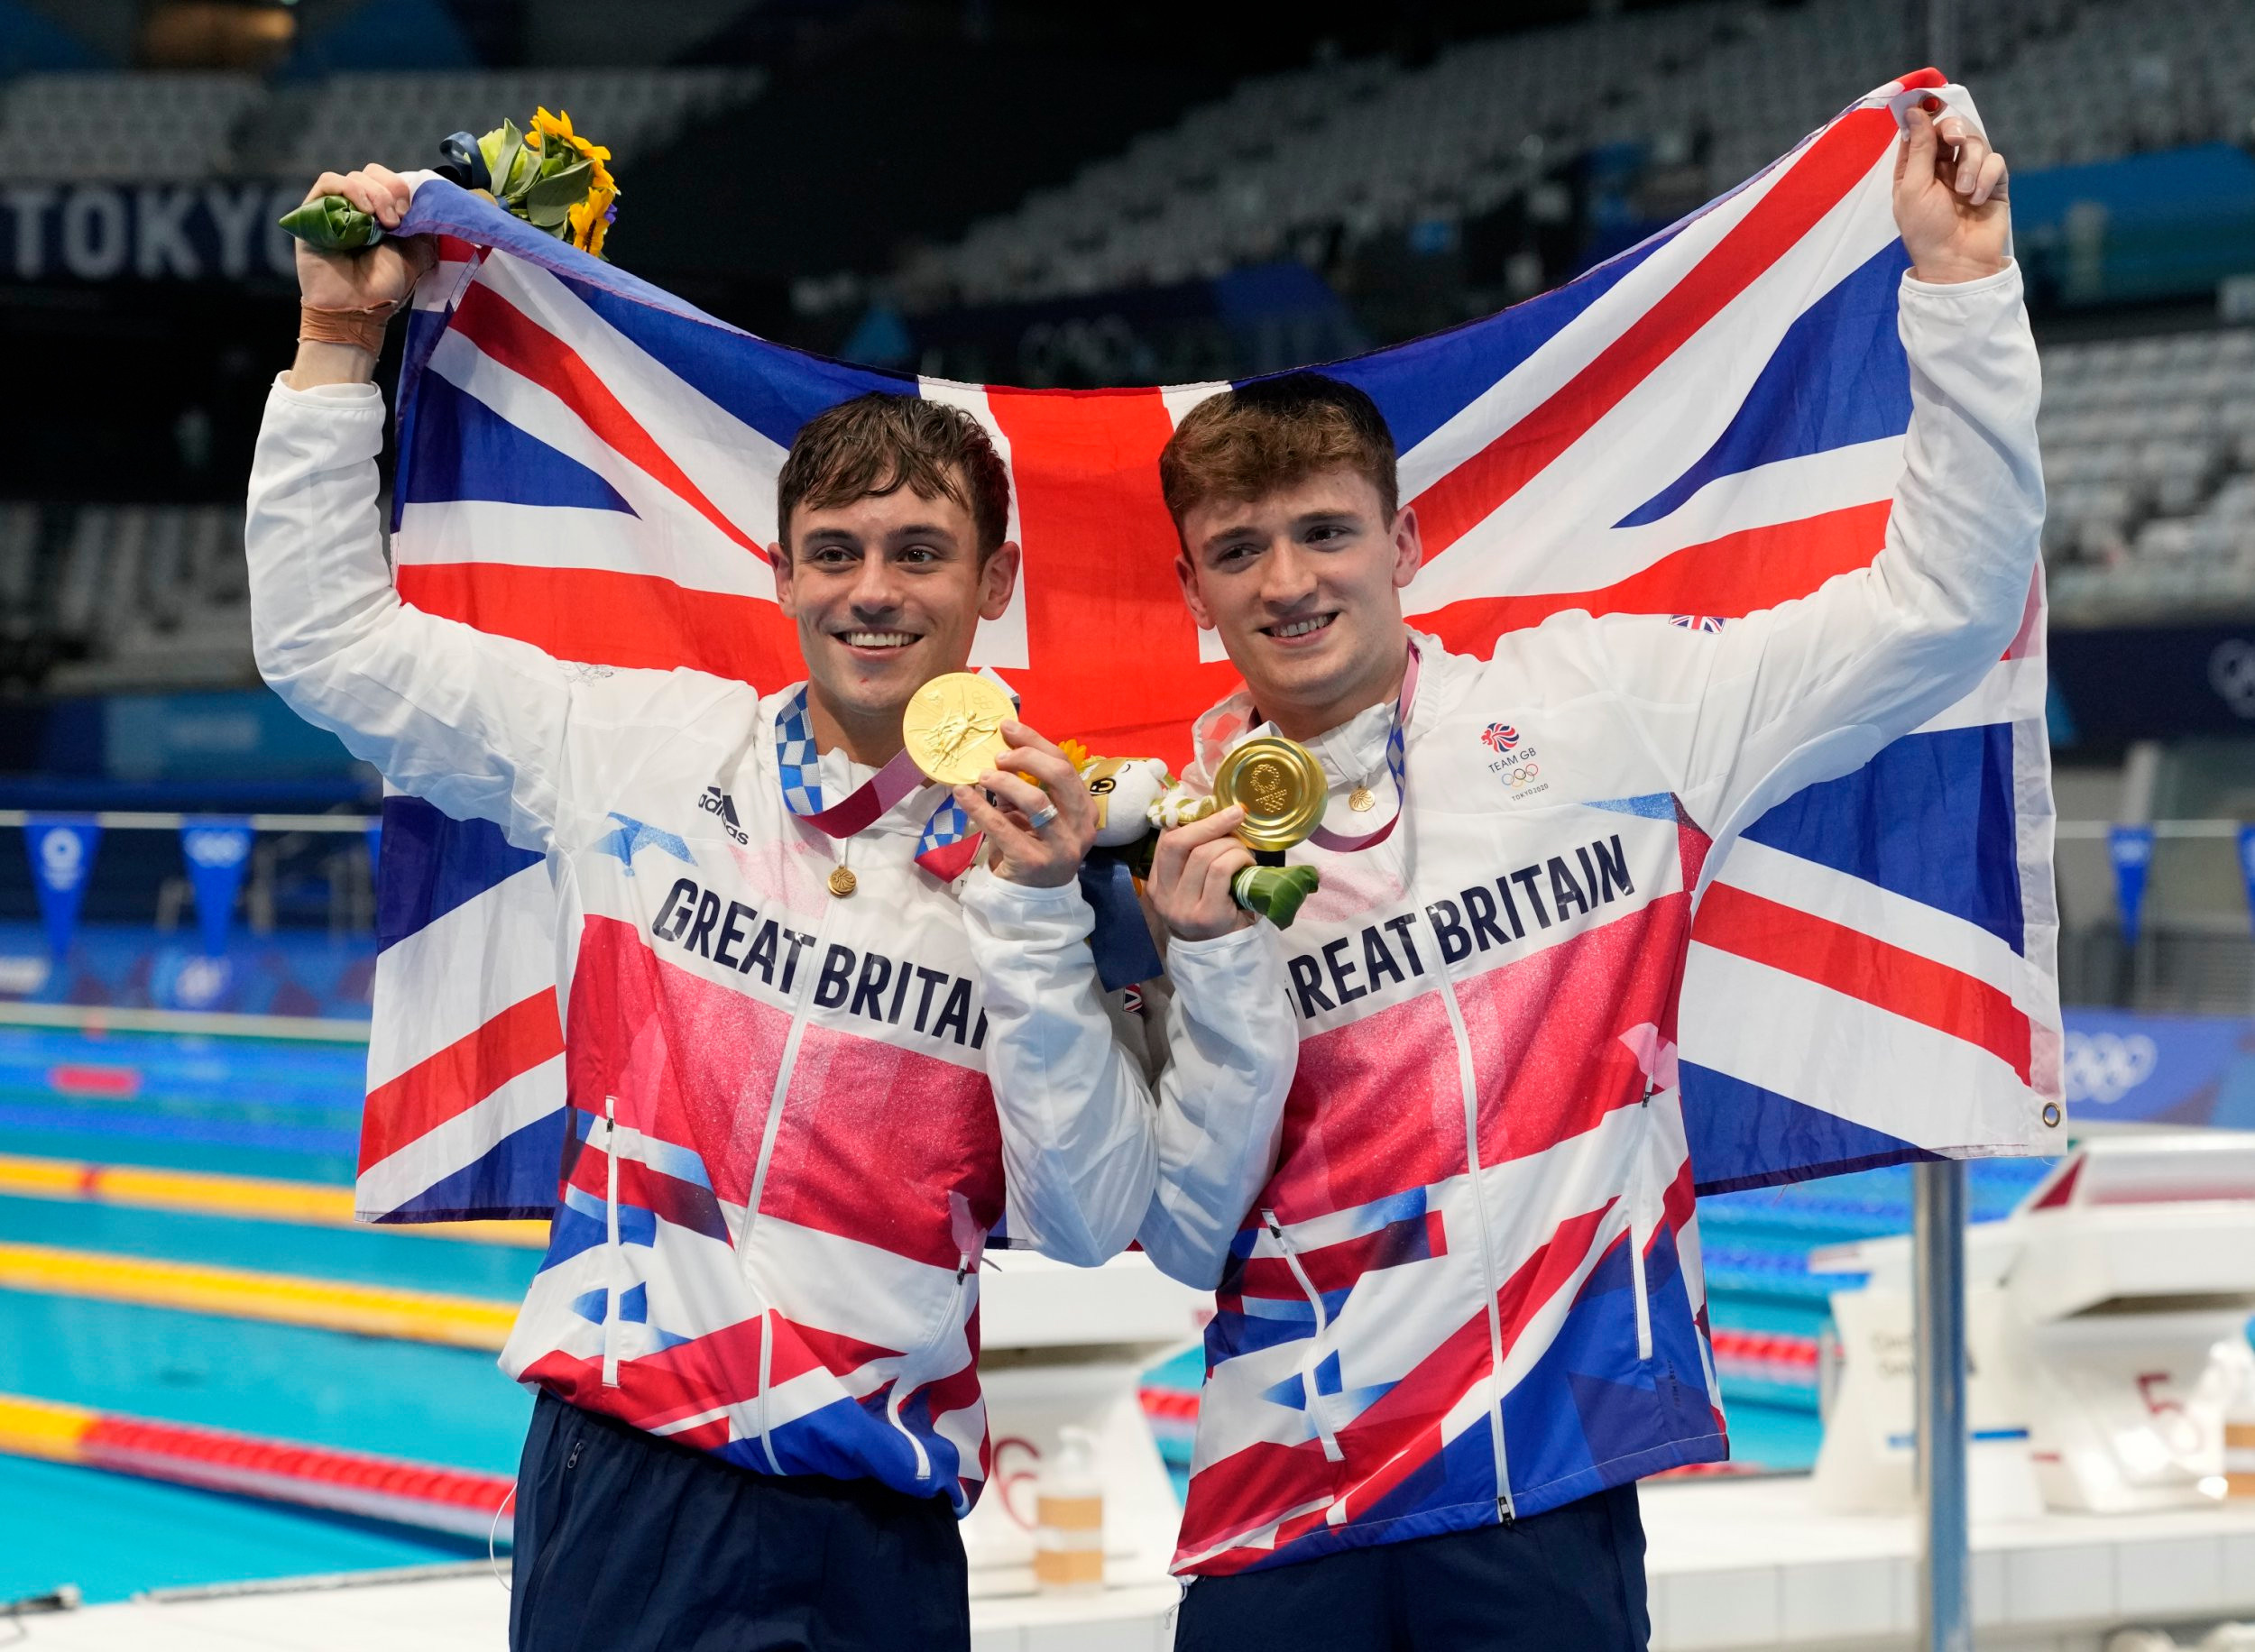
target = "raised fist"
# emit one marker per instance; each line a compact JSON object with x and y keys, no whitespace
{"x":1950,"y":189}
{"x":384,"y":273}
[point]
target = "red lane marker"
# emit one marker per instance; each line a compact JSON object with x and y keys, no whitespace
{"x":85,"y":1079}
{"x":414,"y":1493}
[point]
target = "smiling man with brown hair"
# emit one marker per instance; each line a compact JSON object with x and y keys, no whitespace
{"x":1458,"y":1304}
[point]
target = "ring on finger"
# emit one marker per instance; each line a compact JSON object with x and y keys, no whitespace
{"x":1041,"y":818}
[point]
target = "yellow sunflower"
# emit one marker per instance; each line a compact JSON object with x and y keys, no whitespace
{"x":591,"y":219}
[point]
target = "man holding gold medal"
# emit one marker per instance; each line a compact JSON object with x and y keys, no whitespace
{"x":1459,"y":1310}
{"x":752,"y":1336}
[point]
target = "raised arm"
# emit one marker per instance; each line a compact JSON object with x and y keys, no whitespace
{"x":1811,"y":689}
{"x":475,"y":723}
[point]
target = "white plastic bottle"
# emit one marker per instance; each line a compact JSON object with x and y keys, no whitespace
{"x":2239,"y":1436}
{"x":1069,"y":1529}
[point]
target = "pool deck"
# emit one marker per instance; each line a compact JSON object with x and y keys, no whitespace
{"x":1735,"y":1566}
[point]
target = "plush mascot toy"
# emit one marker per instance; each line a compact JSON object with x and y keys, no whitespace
{"x":1136,"y":797}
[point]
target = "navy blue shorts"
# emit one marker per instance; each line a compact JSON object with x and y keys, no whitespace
{"x":627,"y":1543}
{"x":1569,"y":1581}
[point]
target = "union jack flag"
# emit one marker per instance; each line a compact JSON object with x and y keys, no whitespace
{"x":588,"y":464}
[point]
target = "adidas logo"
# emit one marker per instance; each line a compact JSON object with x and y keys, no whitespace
{"x":717,"y":802}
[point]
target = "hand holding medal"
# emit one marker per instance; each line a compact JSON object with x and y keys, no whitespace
{"x":1019,"y":790}
{"x":1032,"y":802}
{"x":1280,"y":789}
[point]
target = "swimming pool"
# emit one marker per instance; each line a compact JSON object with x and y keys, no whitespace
{"x":290,"y":1112}
{"x":274,"y":1109}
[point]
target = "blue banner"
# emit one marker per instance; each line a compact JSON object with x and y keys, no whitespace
{"x":2160,"y":1069}
{"x":2247,"y":865}
{"x":2131,"y":848}
{"x":61,"y":848}
{"x":218,"y":852}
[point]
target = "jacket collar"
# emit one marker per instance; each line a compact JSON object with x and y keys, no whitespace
{"x":840,"y":775}
{"x":1354,"y":751}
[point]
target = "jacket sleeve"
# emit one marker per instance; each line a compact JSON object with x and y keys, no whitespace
{"x":1232,"y":1049}
{"x":475,"y":723}
{"x":1809,"y":690}
{"x":1083,"y":1139}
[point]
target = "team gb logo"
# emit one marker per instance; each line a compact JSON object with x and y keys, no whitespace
{"x":1500,"y":736}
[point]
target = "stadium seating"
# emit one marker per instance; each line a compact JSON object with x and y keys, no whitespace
{"x":2149,"y":464}
{"x":2176,"y":71}
{"x":398,"y":118}
{"x":165,"y":127}
{"x":181,"y":127}
{"x":135,"y":595}
{"x":1359,"y":144}
{"x":1366,"y":144}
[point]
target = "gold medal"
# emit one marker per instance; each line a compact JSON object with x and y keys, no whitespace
{"x":1362,"y":800}
{"x":1280,"y":786}
{"x":843,"y":882}
{"x":952,"y":727}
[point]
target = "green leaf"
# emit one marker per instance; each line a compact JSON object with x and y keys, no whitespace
{"x":562,"y":190}
{"x":1275,"y":893}
{"x":331,"y":224}
{"x":515,"y":142}
{"x":546,"y":217}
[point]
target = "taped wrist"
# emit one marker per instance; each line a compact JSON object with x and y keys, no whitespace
{"x":362,"y":329}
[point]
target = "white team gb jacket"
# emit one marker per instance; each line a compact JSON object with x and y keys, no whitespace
{"x":1465,"y":1284}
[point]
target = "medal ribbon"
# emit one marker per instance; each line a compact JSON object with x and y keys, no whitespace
{"x":1396,"y":765}
{"x":947,"y":844}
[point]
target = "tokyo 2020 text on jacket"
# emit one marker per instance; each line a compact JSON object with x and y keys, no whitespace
{"x":788,"y":1155}
{"x":1460,"y":1281}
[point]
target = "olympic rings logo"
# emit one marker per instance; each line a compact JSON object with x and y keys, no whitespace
{"x":1522,"y":773}
{"x":2104,"y":1066}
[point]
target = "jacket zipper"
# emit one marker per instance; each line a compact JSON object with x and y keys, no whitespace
{"x":1324,"y":1431}
{"x":810,"y":969}
{"x":1468,"y":1082}
{"x":1640,"y":1224}
{"x":614,"y":1256}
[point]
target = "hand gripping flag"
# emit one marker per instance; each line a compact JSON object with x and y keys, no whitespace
{"x":1709,"y":424}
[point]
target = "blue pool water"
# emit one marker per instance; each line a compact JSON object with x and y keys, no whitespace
{"x":292,"y":1111}
{"x":112,"y":1535}
{"x":244,"y":1107}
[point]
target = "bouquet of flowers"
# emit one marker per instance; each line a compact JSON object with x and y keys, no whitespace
{"x":550,"y":176}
